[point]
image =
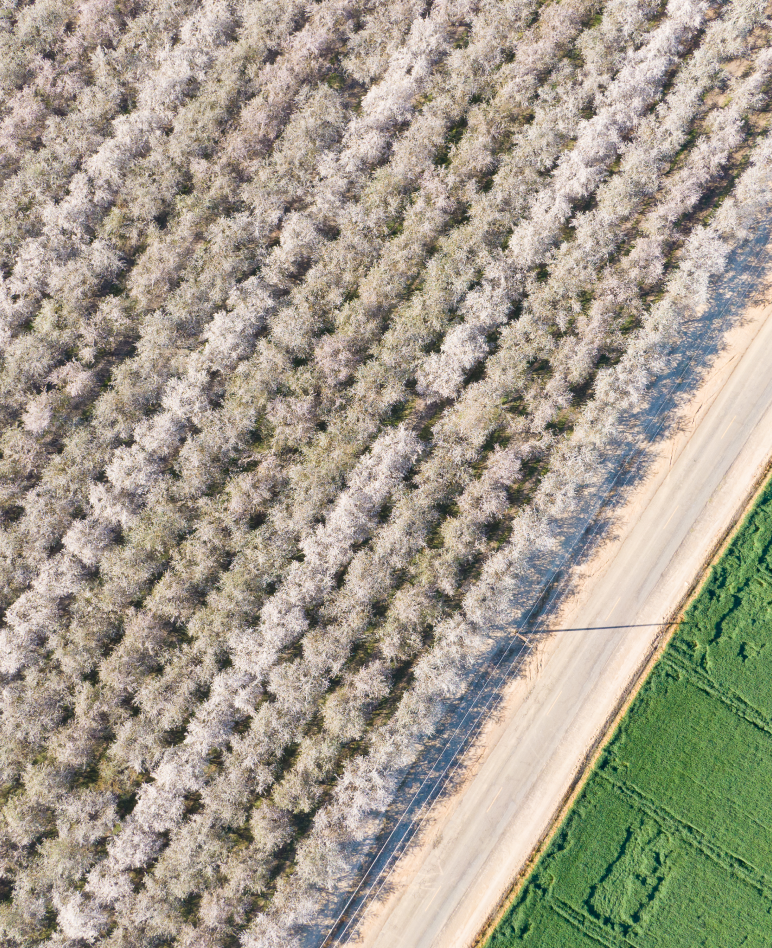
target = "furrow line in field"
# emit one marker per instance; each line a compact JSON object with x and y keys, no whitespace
{"x":737,"y":705}
{"x":691,"y":835}
{"x":588,"y":926}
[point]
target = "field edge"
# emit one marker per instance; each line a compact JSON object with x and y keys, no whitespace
{"x":607,"y":731}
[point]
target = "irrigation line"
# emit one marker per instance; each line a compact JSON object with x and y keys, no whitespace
{"x":624,"y":475}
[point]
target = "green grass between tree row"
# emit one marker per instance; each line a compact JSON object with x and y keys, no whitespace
{"x":670,"y":842}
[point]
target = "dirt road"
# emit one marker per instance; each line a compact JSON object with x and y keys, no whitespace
{"x":446,"y":888}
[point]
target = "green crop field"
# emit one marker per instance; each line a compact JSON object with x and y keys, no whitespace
{"x":670,"y":841}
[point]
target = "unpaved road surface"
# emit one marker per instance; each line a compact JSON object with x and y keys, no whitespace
{"x":445,"y":889}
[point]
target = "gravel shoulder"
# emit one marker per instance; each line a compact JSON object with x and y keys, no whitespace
{"x":481,"y":837}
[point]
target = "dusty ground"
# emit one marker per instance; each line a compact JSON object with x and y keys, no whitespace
{"x":480,"y":838}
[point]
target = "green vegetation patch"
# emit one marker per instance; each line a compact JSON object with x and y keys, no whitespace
{"x":670,"y":842}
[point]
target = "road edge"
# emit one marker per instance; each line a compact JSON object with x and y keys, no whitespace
{"x":642,"y":672}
